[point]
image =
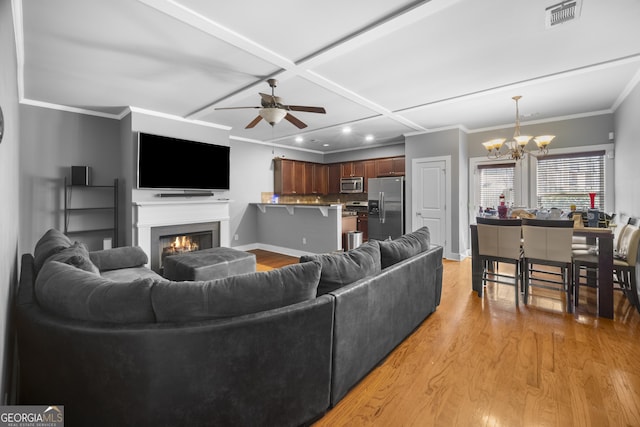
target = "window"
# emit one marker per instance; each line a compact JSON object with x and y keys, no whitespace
{"x":567,"y":179}
{"x":496,"y":179}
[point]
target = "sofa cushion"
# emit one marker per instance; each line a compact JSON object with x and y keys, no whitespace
{"x":340,"y":269}
{"x":122,"y":257}
{"x":405,"y":246}
{"x":235,"y":295}
{"x":131,"y":273}
{"x":394,"y":251}
{"x":76,"y":255}
{"x":67,"y":291}
{"x":53,"y":241}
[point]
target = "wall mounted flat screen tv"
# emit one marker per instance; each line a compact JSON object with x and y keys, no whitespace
{"x":178,"y":164}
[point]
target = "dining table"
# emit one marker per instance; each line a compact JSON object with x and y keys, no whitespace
{"x":604,"y":239}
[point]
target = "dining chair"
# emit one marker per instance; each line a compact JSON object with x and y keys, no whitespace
{"x":548,"y":243}
{"x":499,"y":241}
{"x":626,"y":256}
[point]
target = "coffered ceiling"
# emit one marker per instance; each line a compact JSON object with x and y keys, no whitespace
{"x":382,"y":68}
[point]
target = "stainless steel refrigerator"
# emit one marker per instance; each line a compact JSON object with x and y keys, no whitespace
{"x":386,"y":208}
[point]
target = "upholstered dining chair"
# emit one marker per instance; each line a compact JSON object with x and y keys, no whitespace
{"x":499,"y":242}
{"x":548,"y":243}
{"x":626,"y":257}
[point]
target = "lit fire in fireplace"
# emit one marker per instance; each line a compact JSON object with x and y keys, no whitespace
{"x":179,"y":245}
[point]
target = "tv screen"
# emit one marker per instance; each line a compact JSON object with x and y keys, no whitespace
{"x":172,"y":163}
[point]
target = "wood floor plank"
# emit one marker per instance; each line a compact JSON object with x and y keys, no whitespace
{"x":485,"y":362}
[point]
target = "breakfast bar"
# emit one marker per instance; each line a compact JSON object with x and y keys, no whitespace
{"x":297,"y":229}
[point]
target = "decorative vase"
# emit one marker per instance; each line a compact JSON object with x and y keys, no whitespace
{"x":592,"y":197}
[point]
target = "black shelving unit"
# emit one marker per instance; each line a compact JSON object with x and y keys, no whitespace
{"x":71,"y":210}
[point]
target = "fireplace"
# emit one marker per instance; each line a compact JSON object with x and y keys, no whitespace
{"x":167,"y":217}
{"x":177,"y":239}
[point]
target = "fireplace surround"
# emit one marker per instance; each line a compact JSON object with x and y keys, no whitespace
{"x":154,"y":219}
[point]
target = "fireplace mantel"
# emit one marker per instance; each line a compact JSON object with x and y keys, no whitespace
{"x":148,"y":214}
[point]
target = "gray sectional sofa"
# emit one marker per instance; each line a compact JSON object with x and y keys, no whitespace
{"x":116,"y":344}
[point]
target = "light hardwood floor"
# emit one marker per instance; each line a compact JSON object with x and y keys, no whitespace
{"x":484,"y":362}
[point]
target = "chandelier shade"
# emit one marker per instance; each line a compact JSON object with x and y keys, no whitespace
{"x":516,"y":146}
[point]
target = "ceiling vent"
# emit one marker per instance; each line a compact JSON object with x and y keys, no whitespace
{"x":563,"y":12}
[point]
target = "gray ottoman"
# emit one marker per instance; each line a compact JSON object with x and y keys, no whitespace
{"x":208,"y":264}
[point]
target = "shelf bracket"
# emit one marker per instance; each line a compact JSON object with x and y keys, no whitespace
{"x":324,"y":210}
{"x":262,"y":208}
{"x":289,"y":209}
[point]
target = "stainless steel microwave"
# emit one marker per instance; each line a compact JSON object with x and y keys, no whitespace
{"x":354,"y":184}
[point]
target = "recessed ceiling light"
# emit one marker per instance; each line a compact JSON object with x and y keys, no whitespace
{"x":325,"y":145}
{"x":346,"y":129}
{"x":368,"y":138}
{"x":299,"y":139}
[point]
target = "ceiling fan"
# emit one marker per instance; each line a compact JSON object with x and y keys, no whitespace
{"x":273,"y":110}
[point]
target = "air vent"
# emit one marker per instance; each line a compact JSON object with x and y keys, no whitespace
{"x":562,"y":13}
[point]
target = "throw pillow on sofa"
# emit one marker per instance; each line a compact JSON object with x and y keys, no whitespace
{"x":52,"y":242}
{"x":67,"y":291}
{"x":116,"y":258}
{"x":340,"y":269}
{"x":405,"y":246}
{"x":235,"y":295}
{"x":76,"y":255}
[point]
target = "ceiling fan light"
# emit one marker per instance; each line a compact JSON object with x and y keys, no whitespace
{"x":544,"y":140}
{"x":273,"y":115}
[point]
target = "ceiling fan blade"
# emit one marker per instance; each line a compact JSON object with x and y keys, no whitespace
{"x":296,"y":122}
{"x":304,"y":108}
{"x":233,"y":108}
{"x":254,"y":122}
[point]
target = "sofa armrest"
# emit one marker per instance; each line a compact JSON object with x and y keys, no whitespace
{"x":374,"y":315}
{"x":116,"y":258}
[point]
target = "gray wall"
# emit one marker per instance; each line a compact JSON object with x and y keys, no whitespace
{"x":9,"y":195}
{"x":52,"y":141}
{"x":436,"y":144}
{"x":576,"y":132}
{"x":627,"y":153}
{"x":251,"y":175}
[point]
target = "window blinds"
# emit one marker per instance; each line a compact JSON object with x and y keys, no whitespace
{"x":565,"y":180}
{"x":496,"y":179}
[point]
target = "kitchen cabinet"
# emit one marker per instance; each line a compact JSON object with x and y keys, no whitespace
{"x":369,"y":172}
{"x":334,"y":178}
{"x":316,"y":178}
{"x":288,"y":177}
{"x":349,"y":223}
{"x":320,"y":181}
{"x":363,"y":225}
{"x":392,"y":166}
{"x":349,"y":169}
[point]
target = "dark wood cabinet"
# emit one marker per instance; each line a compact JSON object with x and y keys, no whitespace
{"x":294,"y":177}
{"x":369,"y":172}
{"x":392,"y":166}
{"x":363,"y":225}
{"x":334,"y":178}
{"x":320,"y":179}
{"x":349,"y":169}
{"x":288,"y":177}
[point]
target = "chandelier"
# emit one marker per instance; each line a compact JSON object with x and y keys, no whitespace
{"x":516,"y":146}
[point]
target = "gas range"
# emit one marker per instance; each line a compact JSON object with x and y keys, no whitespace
{"x":356,"y":206}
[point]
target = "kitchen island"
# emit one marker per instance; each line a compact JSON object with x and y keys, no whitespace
{"x":296,"y":229}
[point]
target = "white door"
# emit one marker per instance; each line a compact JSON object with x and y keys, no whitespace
{"x":429,"y":199}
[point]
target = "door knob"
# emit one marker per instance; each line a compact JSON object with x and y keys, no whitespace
{"x":418,"y":214}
